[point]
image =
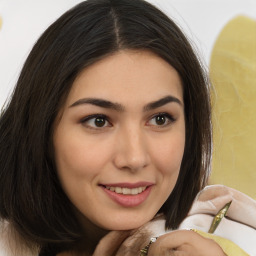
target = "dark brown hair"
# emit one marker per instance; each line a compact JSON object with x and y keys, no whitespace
{"x":31,"y":197}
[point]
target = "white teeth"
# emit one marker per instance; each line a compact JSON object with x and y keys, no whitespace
{"x":118,"y":190}
{"x":135,"y":191}
{"x":127,"y":191}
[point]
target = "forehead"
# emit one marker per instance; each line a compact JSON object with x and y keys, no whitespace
{"x":127,"y":76}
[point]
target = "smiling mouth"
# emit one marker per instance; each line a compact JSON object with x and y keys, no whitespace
{"x":128,"y":194}
{"x":126,"y":191}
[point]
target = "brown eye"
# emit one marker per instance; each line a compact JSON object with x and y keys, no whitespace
{"x":100,"y":122}
{"x":96,"y":122}
{"x":160,"y":119}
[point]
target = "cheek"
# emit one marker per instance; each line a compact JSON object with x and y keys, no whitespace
{"x":169,"y":154}
{"x":78,"y":166}
{"x":76,"y":158}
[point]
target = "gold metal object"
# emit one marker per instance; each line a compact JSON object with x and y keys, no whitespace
{"x":144,"y":251}
{"x":219,"y":216}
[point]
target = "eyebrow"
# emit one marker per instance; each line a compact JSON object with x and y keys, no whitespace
{"x":100,"y":103}
{"x":120,"y":108}
{"x":161,"y":102}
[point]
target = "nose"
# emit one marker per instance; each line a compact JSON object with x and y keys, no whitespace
{"x":131,"y":150}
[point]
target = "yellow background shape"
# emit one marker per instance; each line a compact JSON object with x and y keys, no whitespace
{"x":1,"y":22}
{"x":233,"y":75}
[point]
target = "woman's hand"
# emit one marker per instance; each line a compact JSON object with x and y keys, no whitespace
{"x":110,"y":244}
{"x":184,"y":243}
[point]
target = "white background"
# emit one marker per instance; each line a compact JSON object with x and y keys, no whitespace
{"x":25,"y":20}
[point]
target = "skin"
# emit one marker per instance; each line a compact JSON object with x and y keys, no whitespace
{"x":175,"y":243}
{"x":185,"y":243}
{"x":125,"y":145}
{"x":130,"y":147}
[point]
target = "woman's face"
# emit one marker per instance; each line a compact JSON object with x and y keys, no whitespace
{"x":120,"y":139}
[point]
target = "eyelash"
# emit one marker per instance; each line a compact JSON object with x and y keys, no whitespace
{"x":85,"y":121}
{"x":167,"y":116}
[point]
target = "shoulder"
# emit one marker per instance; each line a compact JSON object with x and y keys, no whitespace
{"x":11,"y":244}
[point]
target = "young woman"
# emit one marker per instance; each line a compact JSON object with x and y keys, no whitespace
{"x":108,"y":128}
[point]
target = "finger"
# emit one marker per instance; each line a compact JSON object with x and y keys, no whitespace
{"x":173,"y":240}
{"x":165,"y":244}
{"x":170,"y":252}
{"x":185,"y":242}
{"x":178,"y":253}
{"x":110,"y":243}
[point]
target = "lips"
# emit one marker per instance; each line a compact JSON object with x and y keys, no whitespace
{"x":128,"y":194}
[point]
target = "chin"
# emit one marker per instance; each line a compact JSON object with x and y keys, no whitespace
{"x":126,"y":223}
